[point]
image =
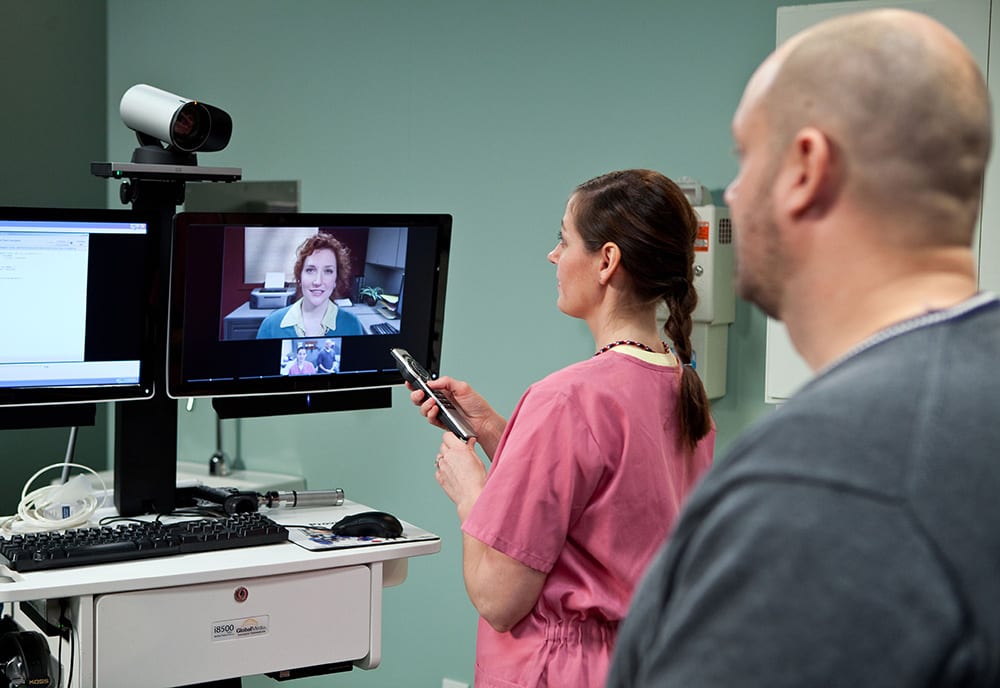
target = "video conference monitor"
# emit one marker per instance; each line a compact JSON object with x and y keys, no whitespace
{"x":75,"y":285}
{"x":298,"y":304}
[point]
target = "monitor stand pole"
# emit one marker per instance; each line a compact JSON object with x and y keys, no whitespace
{"x":146,"y":430}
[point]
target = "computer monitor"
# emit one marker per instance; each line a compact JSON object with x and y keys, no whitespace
{"x":276,"y":313}
{"x":75,"y":285}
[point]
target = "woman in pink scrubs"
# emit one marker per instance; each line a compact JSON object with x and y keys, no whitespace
{"x":589,"y":472}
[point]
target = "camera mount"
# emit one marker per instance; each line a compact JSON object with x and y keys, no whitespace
{"x":137,"y":176}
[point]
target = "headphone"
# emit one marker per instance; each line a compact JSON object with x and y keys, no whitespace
{"x":24,"y":657}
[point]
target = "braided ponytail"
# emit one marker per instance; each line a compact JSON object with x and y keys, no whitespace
{"x":694,"y":410}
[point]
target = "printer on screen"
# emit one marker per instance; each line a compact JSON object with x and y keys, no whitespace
{"x":274,"y":293}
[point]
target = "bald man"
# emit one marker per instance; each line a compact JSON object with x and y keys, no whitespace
{"x":851,"y":538}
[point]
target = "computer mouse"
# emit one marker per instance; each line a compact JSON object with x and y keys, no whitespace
{"x":368,"y":524}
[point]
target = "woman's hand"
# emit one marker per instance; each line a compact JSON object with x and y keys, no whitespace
{"x":486,"y":423}
{"x":460,"y":472}
{"x":502,"y":589}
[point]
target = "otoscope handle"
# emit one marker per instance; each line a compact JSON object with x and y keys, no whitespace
{"x":302,"y":498}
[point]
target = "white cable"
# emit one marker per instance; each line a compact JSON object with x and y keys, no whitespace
{"x":31,"y":511}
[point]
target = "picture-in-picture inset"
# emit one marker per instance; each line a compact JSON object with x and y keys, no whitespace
{"x":310,"y":356}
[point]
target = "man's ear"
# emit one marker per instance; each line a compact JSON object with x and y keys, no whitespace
{"x":807,"y":179}
{"x":610,"y":258}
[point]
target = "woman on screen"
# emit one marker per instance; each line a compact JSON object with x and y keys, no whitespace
{"x":301,"y":366}
{"x":323,"y":273}
{"x":591,"y":470}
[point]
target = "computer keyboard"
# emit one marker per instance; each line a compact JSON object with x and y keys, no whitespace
{"x":383,"y":328}
{"x":137,"y":540}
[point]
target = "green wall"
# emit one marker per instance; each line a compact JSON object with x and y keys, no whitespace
{"x":52,"y":125}
{"x":489,"y":110}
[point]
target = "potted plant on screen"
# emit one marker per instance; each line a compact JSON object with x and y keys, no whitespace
{"x":370,"y":295}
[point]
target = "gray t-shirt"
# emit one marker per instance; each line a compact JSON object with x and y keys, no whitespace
{"x":852,"y":538}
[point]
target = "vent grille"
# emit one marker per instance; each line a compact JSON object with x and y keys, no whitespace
{"x":725,"y":230}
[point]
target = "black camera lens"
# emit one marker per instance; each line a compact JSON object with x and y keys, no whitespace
{"x":190,"y":127}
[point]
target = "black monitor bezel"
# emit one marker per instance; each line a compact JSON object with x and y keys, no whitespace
{"x":428,"y":349}
{"x":54,"y":396}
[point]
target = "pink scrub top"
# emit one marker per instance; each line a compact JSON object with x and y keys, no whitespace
{"x":585,"y":486}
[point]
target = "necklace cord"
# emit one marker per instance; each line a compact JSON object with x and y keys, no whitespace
{"x":630,"y":342}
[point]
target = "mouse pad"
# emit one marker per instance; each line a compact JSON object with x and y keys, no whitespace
{"x":321,"y":539}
